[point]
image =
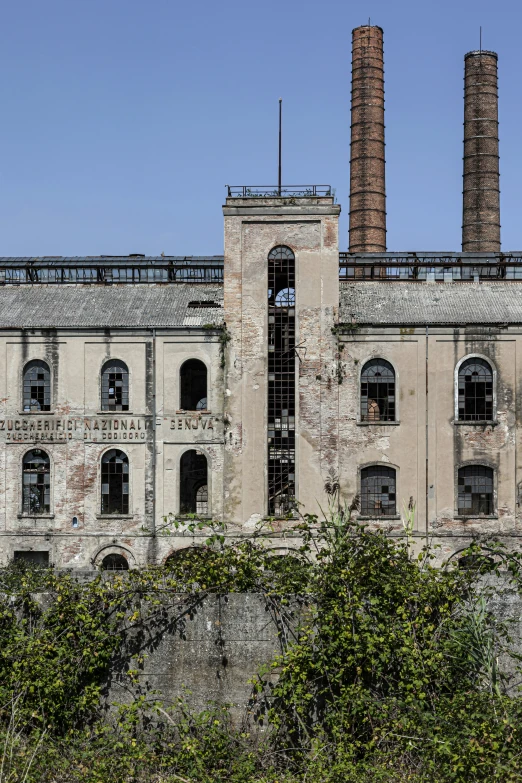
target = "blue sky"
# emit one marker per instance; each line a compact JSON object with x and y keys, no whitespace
{"x":122,"y":120}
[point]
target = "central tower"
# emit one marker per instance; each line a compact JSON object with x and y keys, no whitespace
{"x":281,"y":376}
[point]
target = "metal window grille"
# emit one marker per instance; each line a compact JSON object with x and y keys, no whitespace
{"x":115,"y":482}
{"x":115,"y":386}
{"x":193,"y":386}
{"x":37,"y":386}
{"x":378,"y":493}
{"x":475,"y":390}
{"x":115,"y":562}
{"x":36,"y":485}
{"x":193,"y":483}
{"x":475,"y":490}
{"x":378,"y":391}
{"x":281,"y":381}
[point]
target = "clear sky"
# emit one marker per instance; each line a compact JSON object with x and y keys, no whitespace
{"x":122,"y":120}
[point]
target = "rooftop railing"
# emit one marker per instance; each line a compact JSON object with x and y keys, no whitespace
{"x":273,"y":191}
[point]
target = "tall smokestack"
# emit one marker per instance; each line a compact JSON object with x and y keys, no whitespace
{"x":481,"y":194}
{"x":367,"y":187}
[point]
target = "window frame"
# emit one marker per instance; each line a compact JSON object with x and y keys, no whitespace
{"x":26,"y":364}
{"x":480,"y":423}
{"x":109,"y":411}
{"x":42,"y":514}
{"x":111,"y":514}
{"x":481,"y":464}
{"x":396,"y":420}
{"x":195,"y":447}
{"x":180,"y":409}
{"x":388,"y":466}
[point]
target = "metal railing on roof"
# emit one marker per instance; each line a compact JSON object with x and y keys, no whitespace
{"x":273,"y":191}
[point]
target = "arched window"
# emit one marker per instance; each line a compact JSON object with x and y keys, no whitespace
{"x":193,"y":483}
{"x":37,"y":386}
{"x":378,"y":493}
{"x":115,"y":386}
{"x":475,"y":491}
{"x":36,"y":491}
{"x":475,"y":390}
{"x":193,"y":386}
{"x":377,"y":391}
{"x":115,"y":482}
{"x":114,"y":562}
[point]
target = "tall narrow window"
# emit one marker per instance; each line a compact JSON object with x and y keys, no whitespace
{"x":193,"y":386}
{"x":377,"y":391}
{"x":193,"y":483}
{"x":378,"y":493}
{"x":115,"y":386}
{"x":37,"y":386}
{"x":475,"y":490}
{"x":281,"y":381}
{"x":475,"y":390}
{"x":36,"y":483}
{"x":115,"y":482}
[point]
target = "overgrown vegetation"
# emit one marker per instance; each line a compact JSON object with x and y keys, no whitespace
{"x":389,"y":668}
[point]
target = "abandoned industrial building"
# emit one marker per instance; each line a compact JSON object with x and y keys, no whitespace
{"x":239,"y":387}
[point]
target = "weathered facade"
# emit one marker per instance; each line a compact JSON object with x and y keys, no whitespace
{"x":240,"y":387}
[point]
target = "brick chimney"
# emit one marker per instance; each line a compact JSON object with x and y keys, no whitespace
{"x":367,"y":186}
{"x":481,"y":194}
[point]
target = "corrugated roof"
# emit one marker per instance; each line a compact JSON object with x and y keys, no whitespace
{"x":430,"y":303}
{"x":111,"y":306}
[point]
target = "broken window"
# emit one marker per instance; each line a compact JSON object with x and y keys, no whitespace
{"x":36,"y":490}
{"x":475,"y":390}
{"x":115,"y":482}
{"x":115,"y":386}
{"x":114,"y":562}
{"x":193,"y":483}
{"x":377,"y":391}
{"x":378,"y":493}
{"x":475,"y":491}
{"x":32,"y":558}
{"x":37,"y":386}
{"x":281,"y":381}
{"x":193,"y":386}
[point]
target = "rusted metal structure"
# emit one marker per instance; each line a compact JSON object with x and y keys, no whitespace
{"x":481,"y":193}
{"x":367,"y":162}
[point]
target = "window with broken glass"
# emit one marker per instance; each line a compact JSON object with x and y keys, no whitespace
{"x":475,"y":390}
{"x":377,"y":391}
{"x":37,"y":386}
{"x":36,"y":492}
{"x":281,"y":381}
{"x":475,"y":490}
{"x":193,"y":386}
{"x":193,"y":484}
{"x":114,"y":562}
{"x":115,"y":482}
{"x":378,"y":493}
{"x":115,"y":386}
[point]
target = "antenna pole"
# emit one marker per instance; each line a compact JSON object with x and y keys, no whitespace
{"x":280,"y":134}
{"x":480,"y":40}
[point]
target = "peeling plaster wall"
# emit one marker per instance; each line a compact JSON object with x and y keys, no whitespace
{"x":252,"y":228}
{"x":75,"y":434}
{"x":427,"y":446}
